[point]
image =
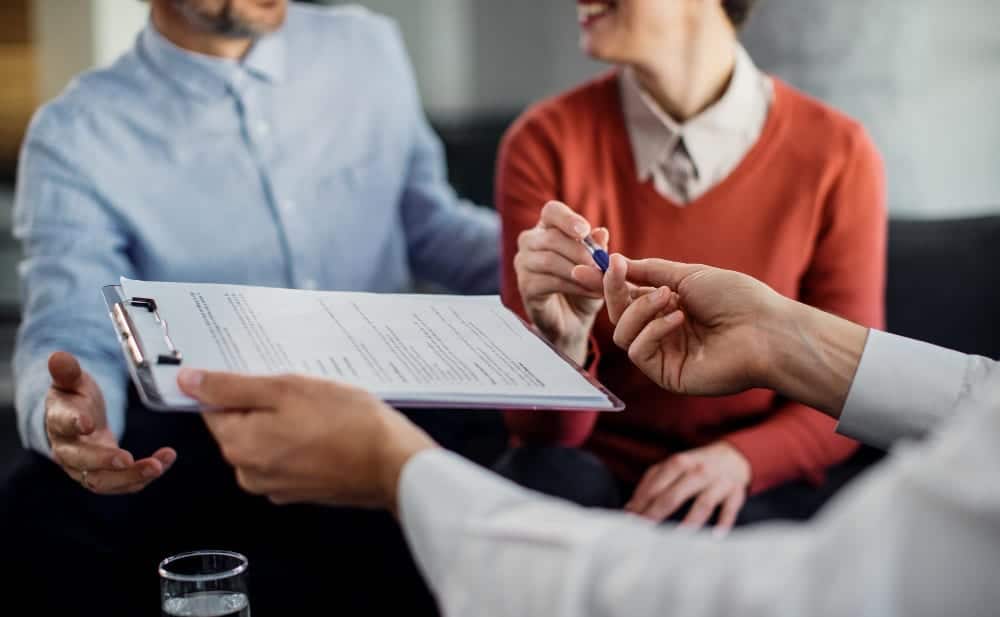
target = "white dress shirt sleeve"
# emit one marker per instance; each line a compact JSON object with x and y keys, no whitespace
{"x":904,"y":388}
{"x":917,"y":536}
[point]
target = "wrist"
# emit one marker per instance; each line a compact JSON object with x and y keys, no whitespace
{"x":777,"y":331}
{"x":400,"y":442}
{"x":813,"y":356}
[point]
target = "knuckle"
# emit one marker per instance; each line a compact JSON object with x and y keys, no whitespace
{"x":633,"y":354}
{"x":231,"y":453}
{"x":700,"y":511}
{"x":96,"y":483}
{"x":532,"y":289}
{"x":265,"y":465}
{"x":668,"y":502}
{"x":681,"y":461}
{"x":283,"y":386}
{"x":59,"y":454}
{"x":245,"y":481}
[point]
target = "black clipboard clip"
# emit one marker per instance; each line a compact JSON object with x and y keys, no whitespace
{"x":139,"y":361}
{"x":129,"y":334}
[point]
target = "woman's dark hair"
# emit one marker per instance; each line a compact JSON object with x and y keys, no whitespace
{"x":738,"y":10}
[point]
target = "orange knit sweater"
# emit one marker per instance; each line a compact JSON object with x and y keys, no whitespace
{"x":804,"y":212}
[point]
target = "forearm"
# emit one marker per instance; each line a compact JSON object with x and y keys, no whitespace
{"x":452,"y":244}
{"x":880,"y":386}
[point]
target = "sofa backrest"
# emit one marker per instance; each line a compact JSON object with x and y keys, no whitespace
{"x":944,"y":283}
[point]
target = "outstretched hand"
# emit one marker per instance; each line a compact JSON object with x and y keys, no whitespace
{"x":83,"y":443}
{"x":698,"y":333}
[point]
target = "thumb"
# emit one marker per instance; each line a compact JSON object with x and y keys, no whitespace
{"x":616,"y":290}
{"x":659,"y":272}
{"x":231,"y":391}
{"x":65,"y":371}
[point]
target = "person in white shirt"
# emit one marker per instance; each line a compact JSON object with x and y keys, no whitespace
{"x":919,"y":535}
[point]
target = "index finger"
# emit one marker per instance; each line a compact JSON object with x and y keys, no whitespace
{"x":560,"y":216}
{"x":231,"y":391}
{"x":616,"y":289}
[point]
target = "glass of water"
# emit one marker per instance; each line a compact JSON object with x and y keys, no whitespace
{"x":204,"y":584}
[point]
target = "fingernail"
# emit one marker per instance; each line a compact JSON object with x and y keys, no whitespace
{"x":719,"y":533}
{"x":168,"y":459}
{"x":190,"y":379}
{"x":148,"y":472}
{"x":79,"y":424}
{"x":118,"y":463}
{"x":581,"y":229}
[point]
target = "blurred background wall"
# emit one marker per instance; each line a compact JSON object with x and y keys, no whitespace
{"x":922,"y":75}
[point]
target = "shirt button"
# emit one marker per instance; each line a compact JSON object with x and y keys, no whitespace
{"x":263,"y":129}
{"x":310,"y":284}
{"x":288,"y":205}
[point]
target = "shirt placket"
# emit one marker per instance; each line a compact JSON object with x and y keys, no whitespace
{"x":261,"y":133}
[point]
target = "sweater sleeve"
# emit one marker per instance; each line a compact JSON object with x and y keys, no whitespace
{"x":846,"y":277}
{"x":528,"y":171}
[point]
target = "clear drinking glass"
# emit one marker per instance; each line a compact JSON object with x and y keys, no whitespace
{"x":204,"y":584}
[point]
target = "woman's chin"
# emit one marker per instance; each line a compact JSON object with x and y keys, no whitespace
{"x":595,"y":47}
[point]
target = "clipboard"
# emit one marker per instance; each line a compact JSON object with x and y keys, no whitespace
{"x":126,"y":314}
{"x":144,"y":336}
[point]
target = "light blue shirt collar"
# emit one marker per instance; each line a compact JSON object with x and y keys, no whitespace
{"x":208,"y":76}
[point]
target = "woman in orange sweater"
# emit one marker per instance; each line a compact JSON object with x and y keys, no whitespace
{"x":686,"y":151}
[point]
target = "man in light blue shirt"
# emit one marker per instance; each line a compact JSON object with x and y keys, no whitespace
{"x":249,"y":142}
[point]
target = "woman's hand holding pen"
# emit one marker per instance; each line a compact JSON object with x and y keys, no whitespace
{"x":562,"y":309}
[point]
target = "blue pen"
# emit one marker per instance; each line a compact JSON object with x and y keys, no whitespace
{"x":600,"y":255}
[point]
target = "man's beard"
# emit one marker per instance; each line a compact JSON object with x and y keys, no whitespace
{"x":227,"y":22}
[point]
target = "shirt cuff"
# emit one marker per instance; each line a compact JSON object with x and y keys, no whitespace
{"x":32,"y":386}
{"x":903,"y":388}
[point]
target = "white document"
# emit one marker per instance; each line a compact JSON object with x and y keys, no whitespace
{"x":411,"y":350}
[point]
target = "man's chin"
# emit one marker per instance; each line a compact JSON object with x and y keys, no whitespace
{"x":234,"y":24}
{"x":245,"y":31}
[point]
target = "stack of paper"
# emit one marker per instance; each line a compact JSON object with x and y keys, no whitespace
{"x":411,"y":350}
